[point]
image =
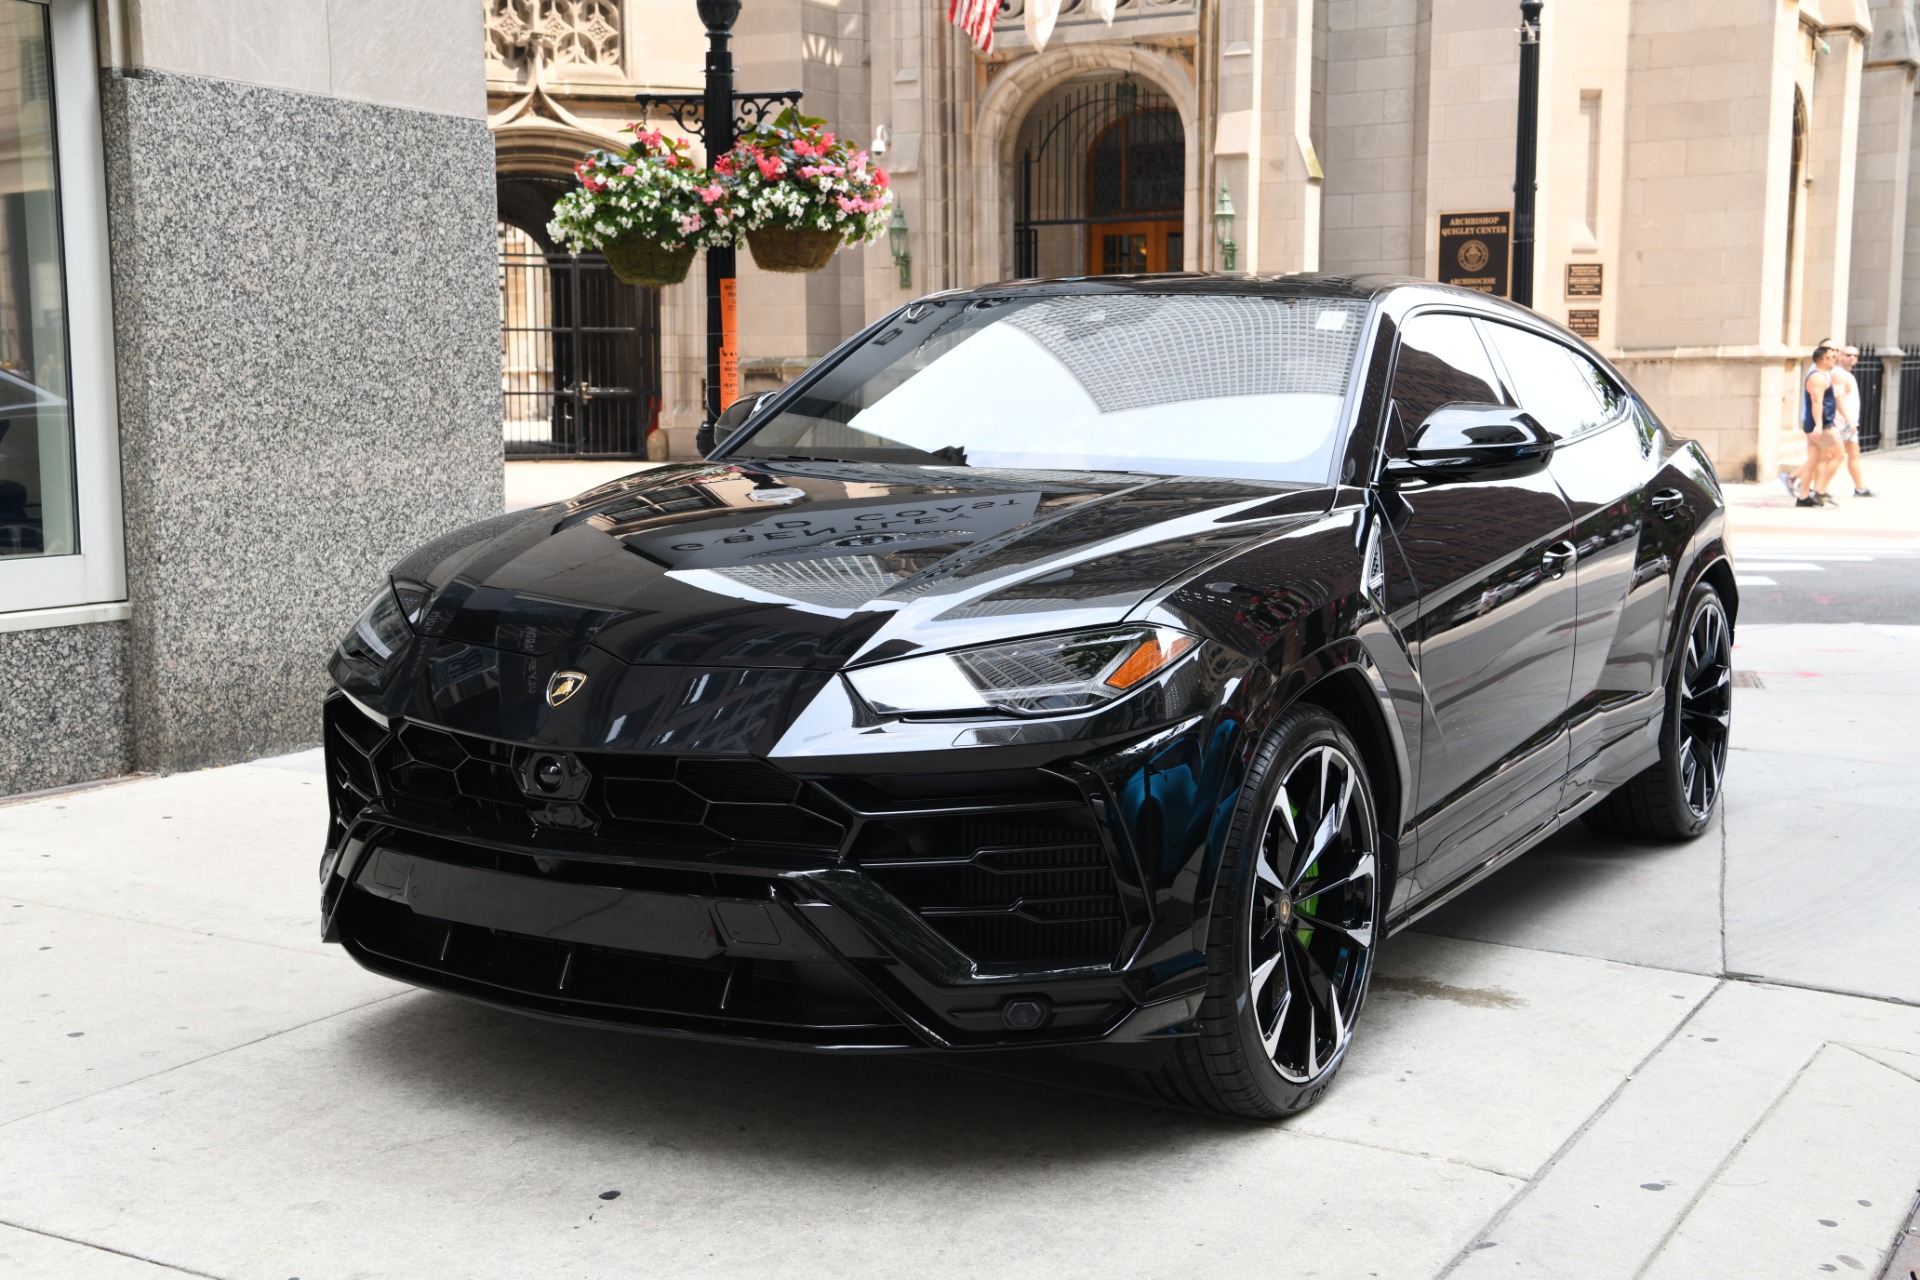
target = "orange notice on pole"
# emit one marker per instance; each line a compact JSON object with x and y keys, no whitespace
{"x":729,"y":345}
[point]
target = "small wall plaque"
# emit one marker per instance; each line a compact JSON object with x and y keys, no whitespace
{"x":1584,"y":279}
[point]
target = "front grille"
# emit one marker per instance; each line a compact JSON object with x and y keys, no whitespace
{"x":801,"y":1002}
{"x":698,"y":804}
{"x":1011,"y":869}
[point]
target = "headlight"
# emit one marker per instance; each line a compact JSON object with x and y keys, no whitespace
{"x":1048,"y":675}
{"x":385,"y":624}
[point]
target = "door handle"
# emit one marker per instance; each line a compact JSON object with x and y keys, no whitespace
{"x":1669,"y":502}
{"x":1558,"y":558}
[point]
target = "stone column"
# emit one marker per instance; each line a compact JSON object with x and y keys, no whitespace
{"x":1832,"y":145}
{"x":301,"y":226}
{"x":1881,"y":188}
{"x":1263,"y":146}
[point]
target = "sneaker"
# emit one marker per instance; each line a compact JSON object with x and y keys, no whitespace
{"x":1826,"y":499}
{"x":1786,"y":482}
{"x":1806,"y":502}
{"x":1863,"y":493}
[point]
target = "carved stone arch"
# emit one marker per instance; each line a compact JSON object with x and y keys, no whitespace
{"x":1015,"y":92}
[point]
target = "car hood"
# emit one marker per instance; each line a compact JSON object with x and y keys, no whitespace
{"x":817,"y":565}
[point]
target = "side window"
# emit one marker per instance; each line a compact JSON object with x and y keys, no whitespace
{"x":1441,"y":362}
{"x":1564,"y":391}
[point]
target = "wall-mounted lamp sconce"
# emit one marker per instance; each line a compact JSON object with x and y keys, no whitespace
{"x":897,"y":241}
{"x":1223,"y":229}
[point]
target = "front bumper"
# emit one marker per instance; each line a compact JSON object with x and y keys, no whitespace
{"x":725,"y":899}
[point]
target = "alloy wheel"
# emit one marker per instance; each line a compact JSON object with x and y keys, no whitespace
{"x":1706,"y":708}
{"x":1313,"y":915}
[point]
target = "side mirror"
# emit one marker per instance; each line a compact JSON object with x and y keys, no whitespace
{"x":731,"y":419}
{"x":1474,"y":442}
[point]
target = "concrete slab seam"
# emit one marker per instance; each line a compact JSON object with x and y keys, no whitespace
{"x":157,"y":924}
{"x":1540,"y":1175}
{"x":1765,"y":980}
{"x":1860,"y":1051}
{"x":245,"y":1044}
{"x":1706,"y":1183}
{"x":103,"y":1248}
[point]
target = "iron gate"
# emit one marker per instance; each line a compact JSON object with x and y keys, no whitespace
{"x":579,"y":357}
{"x":1101,"y":183}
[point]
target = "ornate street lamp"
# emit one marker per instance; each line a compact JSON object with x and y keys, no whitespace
{"x":1223,"y":228}
{"x":713,"y":112}
{"x":897,"y":241}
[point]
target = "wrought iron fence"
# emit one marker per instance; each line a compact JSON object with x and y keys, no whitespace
{"x":1907,"y":429}
{"x":579,"y":357}
{"x":1871,"y":374}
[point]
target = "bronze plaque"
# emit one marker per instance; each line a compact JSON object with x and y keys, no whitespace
{"x":1584,"y":279}
{"x":1586,"y":323}
{"x":1474,"y":250}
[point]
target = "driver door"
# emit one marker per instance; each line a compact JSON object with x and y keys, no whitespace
{"x":1494,"y":631}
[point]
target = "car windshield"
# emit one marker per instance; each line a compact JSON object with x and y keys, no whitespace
{"x":1212,"y":385}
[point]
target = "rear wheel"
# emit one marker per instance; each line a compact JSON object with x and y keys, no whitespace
{"x":1674,"y":799}
{"x":1295,"y":922}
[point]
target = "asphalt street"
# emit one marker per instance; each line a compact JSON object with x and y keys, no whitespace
{"x":1783,"y":578}
{"x":1608,"y":1060}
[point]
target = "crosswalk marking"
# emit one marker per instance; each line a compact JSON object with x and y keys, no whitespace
{"x":1753,"y":580}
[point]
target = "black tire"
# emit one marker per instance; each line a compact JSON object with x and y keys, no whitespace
{"x":1244,"y":1062}
{"x":1676,"y":797}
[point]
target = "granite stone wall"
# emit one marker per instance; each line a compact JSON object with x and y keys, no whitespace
{"x":309,"y":378}
{"x":64,"y":693}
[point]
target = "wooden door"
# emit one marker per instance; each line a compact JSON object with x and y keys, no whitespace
{"x":1117,"y":248}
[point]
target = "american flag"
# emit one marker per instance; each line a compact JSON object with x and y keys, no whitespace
{"x":975,"y":17}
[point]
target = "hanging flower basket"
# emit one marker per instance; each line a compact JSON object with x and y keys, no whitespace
{"x":799,"y":194}
{"x":649,"y":209}
{"x":789,"y":249}
{"x":638,"y":259}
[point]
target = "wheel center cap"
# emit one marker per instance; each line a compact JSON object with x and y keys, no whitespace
{"x":1283,"y":907}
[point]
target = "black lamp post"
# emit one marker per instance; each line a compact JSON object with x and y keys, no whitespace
{"x":1526,"y":151}
{"x":713,"y":112}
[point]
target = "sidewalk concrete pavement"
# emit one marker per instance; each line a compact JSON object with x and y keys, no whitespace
{"x":1892,"y":512}
{"x":1608,"y":1060}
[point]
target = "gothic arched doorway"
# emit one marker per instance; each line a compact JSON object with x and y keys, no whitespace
{"x":579,"y":350}
{"x":1100,"y":182}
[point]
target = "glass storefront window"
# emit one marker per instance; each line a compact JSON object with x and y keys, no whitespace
{"x":37,"y":506}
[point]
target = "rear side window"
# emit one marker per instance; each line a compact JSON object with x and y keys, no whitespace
{"x":1441,"y":362}
{"x":1565,"y":391}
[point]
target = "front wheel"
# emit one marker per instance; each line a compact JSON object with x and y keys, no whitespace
{"x":1674,"y":798}
{"x":1295,"y":921}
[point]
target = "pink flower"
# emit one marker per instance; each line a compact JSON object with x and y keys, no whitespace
{"x":880,"y":178}
{"x":770,"y":167}
{"x":710,"y":194}
{"x":724,"y":166}
{"x":808,"y":171}
{"x":690,"y":223}
{"x":626,"y":171}
{"x":826,"y":140}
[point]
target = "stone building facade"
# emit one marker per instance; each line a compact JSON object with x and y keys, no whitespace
{"x":1735,"y":170}
{"x":247,"y":358}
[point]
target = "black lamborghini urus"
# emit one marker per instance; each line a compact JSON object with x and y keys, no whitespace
{"x":1105,"y":661}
